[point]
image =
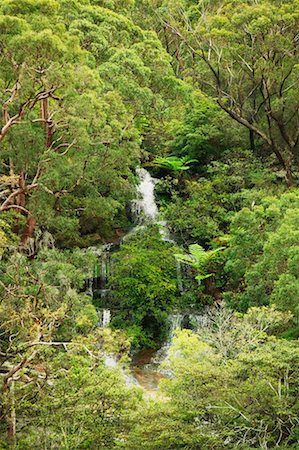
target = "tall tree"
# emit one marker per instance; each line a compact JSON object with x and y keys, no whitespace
{"x":73,"y":98}
{"x":246,"y":54}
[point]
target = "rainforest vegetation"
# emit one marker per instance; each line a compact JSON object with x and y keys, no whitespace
{"x":203,"y":95}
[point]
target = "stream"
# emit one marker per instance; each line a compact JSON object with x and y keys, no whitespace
{"x":145,"y":367}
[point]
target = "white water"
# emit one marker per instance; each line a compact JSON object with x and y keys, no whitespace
{"x":146,"y":210}
{"x":103,"y":270}
{"x":145,"y":207}
{"x":146,"y":188}
{"x":177,"y":320}
{"x":104,"y":317}
{"x":199,"y":321}
{"x":179,"y":276}
{"x":110,"y":361}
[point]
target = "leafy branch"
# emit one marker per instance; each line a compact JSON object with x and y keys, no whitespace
{"x":198,"y":259}
{"x":173,"y":163}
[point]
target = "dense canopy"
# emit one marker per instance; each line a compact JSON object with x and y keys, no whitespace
{"x":149,"y":201}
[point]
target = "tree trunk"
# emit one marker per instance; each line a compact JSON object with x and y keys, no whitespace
{"x":21,"y":198}
{"x":21,"y":201}
{"x":48,"y":123}
{"x":252,"y":140}
{"x":212,"y":290}
{"x":289,"y":176}
{"x":286,"y":164}
{"x":11,"y":416}
{"x":29,"y":229}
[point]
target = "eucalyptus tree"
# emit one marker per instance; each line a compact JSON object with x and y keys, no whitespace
{"x":74,"y":97}
{"x":54,"y":386}
{"x":246,"y":55}
{"x":55,"y":131}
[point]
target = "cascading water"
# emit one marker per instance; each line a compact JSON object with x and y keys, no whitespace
{"x":146,"y":369}
{"x":199,"y":321}
{"x":176,"y":321}
{"x":179,"y":276}
{"x":146,"y":205}
{"x":104,"y":317}
{"x":103,"y":275}
{"x":96,"y":285}
{"x":145,"y":209}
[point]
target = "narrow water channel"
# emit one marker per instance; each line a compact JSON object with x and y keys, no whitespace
{"x":145,"y":367}
{"x":145,"y":371}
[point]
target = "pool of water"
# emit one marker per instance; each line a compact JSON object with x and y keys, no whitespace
{"x":145,"y":368}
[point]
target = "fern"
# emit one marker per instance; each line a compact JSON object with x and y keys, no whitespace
{"x":174,"y":163}
{"x":199,"y":259}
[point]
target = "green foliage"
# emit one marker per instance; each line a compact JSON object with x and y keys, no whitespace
{"x":233,"y":386}
{"x":263,"y":254}
{"x":143,"y":276}
{"x":83,"y":404}
{"x":173,"y":163}
{"x":204,"y":132}
{"x":73,"y":97}
{"x":7,"y":238}
{"x":44,"y":296}
{"x":89,"y":89}
{"x":52,"y":372}
{"x":199,"y":259}
{"x":236,"y":50}
{"x":202,"y":209}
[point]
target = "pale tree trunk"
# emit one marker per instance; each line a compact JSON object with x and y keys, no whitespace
{"x":11,"y":415}
{"x":8,"y":393}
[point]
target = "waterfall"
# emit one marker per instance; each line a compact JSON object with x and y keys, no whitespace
{"x":145,"y":208}
{"x":104,"y":318}
{"x":146,"y":211}
{"x":194,"y":321}
{"x":161,"y":356}
{"x":96,"y":285}
{"x":198,"y":321}
{"x":103,"y":275}
{"x":89,"y":287}
{"x":179,"y":276}
{"x":110,"y":360}
{"x":189,"y":320}
{"x":176,"y":321}
{"x":147,"y":203}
